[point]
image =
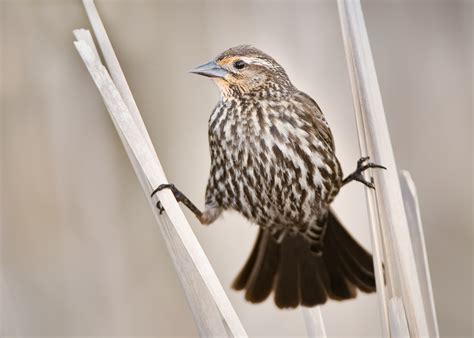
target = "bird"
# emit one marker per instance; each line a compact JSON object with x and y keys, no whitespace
{"x":273,"y":160}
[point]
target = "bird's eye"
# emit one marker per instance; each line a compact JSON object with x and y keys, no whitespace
{"x":239,"y":64}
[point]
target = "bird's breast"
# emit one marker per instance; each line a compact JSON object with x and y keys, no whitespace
{"x":267,"y":166}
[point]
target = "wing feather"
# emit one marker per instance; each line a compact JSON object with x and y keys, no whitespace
{"x":310,"y":111}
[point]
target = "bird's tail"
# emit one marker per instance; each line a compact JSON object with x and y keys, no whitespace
{"x":298,"y":276}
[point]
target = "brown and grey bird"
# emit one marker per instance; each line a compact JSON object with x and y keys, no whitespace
{"x":273,"y":160}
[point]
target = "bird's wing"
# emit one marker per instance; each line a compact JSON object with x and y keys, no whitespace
{"x":308,"y":110}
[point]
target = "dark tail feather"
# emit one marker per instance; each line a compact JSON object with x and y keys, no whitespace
{"x":298,"y":276}
{"x":355,"y":262}
{"x":340,"y":288}
{"x":287,"y":288}
{"x":241,"y":281}
{"x":259,"y":271}
{"x":314,"y":279}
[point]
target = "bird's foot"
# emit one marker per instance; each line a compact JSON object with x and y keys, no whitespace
{"x":159,"y":206}
{"x":180,"y":197}
{"x":361,"y":167}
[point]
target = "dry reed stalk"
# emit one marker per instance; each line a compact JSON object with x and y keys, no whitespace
{"x":212,"y":311}
{"x":314,"y":322}
{"x":391,"y":239}
{"x":412,"y":208}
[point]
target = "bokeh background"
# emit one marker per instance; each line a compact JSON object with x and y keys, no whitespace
{"x":80,"y":252}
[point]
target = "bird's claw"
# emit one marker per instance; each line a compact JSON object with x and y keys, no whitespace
{"x":163,"y":186}
{"x":360,"y":178}
{"x":361,"y":161}
{"x":361,"y":167}
{"x":159,"y":206}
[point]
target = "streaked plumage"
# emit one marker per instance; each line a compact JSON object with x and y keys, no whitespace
{"x":273,"y":160}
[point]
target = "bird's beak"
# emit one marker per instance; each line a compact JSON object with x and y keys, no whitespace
{"x":210,"y":69}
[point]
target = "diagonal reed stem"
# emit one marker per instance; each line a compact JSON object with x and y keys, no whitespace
{"x":212,"y":311}
{"x":389,"y":227}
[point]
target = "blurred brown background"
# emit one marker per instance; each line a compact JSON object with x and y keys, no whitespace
{"x":80,"y":251}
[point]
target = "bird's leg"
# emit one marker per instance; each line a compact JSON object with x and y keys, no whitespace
{"x":210,"y":215}
{"x":357,"y":174}
{"x":206,"y":217}
{"x":180,"y":197}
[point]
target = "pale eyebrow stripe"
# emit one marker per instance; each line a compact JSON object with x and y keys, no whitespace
{"x":257,"y":61}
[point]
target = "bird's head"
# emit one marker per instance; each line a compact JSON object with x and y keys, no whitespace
{"x":245,"y":69}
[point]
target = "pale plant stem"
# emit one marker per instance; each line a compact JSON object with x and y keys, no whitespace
{"x":212,"y":311}
{"x":391,"y":240}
